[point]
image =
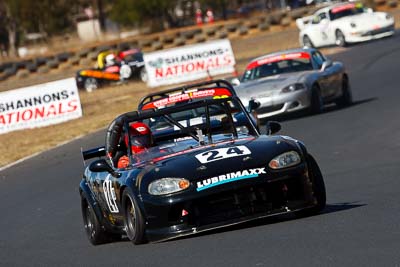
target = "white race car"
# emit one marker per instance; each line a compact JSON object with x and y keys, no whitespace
{"x":344,"y":23}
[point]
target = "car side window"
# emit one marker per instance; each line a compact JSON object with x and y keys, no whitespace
{"x":318,"y":18}
{"x":318,"y":59}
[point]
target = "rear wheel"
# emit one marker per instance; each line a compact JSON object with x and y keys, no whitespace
{"x":340,"y":39}
{"x":134,"y":222}
{"x":90,"y":84}
{"x":307,"y":41}
{"x":92,"y":226}
{"x":318,"y":188}
{"x":346,"y":99}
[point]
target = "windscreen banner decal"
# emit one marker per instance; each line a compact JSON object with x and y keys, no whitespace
{"x":229,"y":177}
{"x":222,"y":153}
{"x":177,"y":98}
{"x":189,"y":63}
{"x":39,"y":105}
{"x":277,"y":58}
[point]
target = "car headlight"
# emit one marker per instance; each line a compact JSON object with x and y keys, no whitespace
{"x":285,"y":160}
{"x":389,"y":17}
{"x":167,"y":186}
{"x":353,"y":25}
{"x":293,"y":87}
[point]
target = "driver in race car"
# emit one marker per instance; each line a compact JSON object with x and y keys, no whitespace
{"x":141,"y":138}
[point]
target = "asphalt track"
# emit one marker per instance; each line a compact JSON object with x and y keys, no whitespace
{"x":358,"y":151}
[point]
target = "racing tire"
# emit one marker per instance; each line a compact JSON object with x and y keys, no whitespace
{"x":340,"y":39}
{"x":316,"y":101}
{"x":318,"y":188}
{"x":143,"y":75}
{"x":134,"y":221}
{"x":307,"y":42}
{"x":90,"y":84}
{"x":125,"y":72}
{"x":92,"y":226}
{"x":347,"y":98}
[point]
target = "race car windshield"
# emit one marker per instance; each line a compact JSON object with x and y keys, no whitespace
{"x":219,"y":121}
{"x":279,"y":67}
{"x":345,"y":11}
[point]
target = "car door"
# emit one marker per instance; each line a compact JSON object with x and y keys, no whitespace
{"x":107,"y":188}
{"x":323,"y":80}
{"x":319,"y":29}
{"x":329,"y":75}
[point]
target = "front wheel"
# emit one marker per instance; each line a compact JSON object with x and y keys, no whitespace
{"x":340,"y":39}
{"x":134,"y":221}
{"x":318,"y":188}
{"x":316,"y":101}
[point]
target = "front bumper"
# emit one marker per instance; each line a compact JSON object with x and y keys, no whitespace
{"x":362,"y":36}
{"x":283,"y":103}
{"x":225,"y":206}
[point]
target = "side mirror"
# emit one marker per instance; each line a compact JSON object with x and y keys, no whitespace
{"x":101,"y":165}
{"x":273,"y":127}
{"x":235,"y":81}
{"x":253,"y":105}
{"x":326,"y":65}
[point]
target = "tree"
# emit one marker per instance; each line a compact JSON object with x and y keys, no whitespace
{"x":143,"y":12}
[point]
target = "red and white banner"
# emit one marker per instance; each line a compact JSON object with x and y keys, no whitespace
{"x":39,"y":105}
{"x":189,"y":63}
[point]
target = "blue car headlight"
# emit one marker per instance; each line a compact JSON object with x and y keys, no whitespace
{"x":166,"y":186}
{"x":293,"y":87}
{"x":285,"y":160}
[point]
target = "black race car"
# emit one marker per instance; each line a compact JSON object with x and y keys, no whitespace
{"x":128,"y":64}
{"x":208,"y":167}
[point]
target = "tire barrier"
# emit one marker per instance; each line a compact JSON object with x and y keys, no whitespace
{"x":157,"y":45}
{"x":92,"y":55}
{"x":21,"y":74}
{"x":200,"y":38}
{"x":62,"y":57}
{"x":243,"y":30}
{"x":84,"y":52}
{"x":179,"y":41}
{"x":43,"y":70}
{"x":285,"y":22}
{"x":264,"y":26}
{"x":52,"y":64}
{"x":222,"y":34}
{"x":276,"y":18}
{"x":211,"y":31}
{"x":86,"y":62}
{"x":74,"y":60}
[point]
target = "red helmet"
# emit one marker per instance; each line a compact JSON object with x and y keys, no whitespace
{"x":140,"y":136}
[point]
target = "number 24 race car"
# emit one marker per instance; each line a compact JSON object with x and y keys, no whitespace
{"x":204,"y":165}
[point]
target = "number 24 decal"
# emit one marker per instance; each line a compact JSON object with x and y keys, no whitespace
{"x":222,"y":153}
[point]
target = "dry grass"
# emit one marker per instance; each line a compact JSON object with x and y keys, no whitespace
{"x":102,"y":106}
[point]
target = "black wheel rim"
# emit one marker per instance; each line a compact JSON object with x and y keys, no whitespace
{"x":131,"y":218}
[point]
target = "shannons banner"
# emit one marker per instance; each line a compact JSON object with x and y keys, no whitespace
{"x":39,"y":105}
{"x":189,"y":63}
